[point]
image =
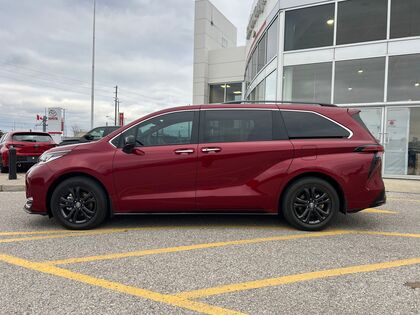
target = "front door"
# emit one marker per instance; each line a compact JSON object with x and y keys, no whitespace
{"x":241,"y":160}
{"x":160,"y":174}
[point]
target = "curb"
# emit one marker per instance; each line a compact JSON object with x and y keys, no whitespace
{"x":12,"y":188}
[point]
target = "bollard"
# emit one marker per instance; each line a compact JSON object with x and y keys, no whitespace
{"x":12,"y":163}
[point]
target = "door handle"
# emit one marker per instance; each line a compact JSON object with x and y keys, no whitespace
{"x":211,"y":150}
{"x":184,"y":151}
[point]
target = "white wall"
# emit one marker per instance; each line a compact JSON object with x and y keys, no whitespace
{"x":213,"y":31}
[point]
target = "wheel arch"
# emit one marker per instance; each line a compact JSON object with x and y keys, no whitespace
{"x":333,"y":182}
{"x":66,"y":176}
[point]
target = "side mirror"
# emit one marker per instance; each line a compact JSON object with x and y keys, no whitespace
{"x":129,"y":144}
{"x":88,"y":137}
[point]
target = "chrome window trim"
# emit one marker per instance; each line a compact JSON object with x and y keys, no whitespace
{"x":312,"y":112}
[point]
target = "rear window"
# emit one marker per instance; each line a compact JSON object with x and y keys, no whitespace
{"x":32,"y":138}
{"x":308,"y":125}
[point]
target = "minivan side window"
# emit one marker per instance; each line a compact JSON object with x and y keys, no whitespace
{"x":308,"y":125}
{"x":236,"y":125}
{"x":169,"y":129}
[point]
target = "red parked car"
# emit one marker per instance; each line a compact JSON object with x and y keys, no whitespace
{"x":305,"y":162}
{"x":29,"y":147}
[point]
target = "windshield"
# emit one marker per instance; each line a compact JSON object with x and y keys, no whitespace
{"x":32,"y":138}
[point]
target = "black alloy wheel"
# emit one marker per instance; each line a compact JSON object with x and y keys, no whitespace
{"x":310,"y":204}
{"x":79,"y":203}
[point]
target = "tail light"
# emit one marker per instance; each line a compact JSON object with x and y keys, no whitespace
{"x":377,"y":151}
{"x":370,"y":148}
{"x":9,"y":145}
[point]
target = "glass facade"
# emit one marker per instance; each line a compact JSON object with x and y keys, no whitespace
{"x":264,"y":51}
{"x":359,"y":81}
{"x":308,"y":83}
{"x":404,"y":78}
{"x":405,"y":18}
{"x":361,"y":52}
{"x":310,"y":27}
{"x":271,"y":86}
{"x":361,"y":21}
{"x":272,"y":40}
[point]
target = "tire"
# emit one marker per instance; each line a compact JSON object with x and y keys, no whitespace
{"x":79,"y":203}
{"x":310,"y":204}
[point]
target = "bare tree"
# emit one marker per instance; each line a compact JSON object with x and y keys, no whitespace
{"x":77,"y":131}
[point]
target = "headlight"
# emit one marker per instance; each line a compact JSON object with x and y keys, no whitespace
{"x":49,"y":156}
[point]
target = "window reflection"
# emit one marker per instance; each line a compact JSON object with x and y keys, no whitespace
{"x":361,"y":21}
{"x":404,"y":78}
{"x":310,"y":27}
{"x":359,"y":81}
{"x":308,"y":83}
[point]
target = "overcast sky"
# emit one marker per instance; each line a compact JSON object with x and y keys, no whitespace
{"x":144,"y":46}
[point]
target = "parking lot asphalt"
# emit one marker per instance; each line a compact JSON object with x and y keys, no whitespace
{"x":365,"y":263}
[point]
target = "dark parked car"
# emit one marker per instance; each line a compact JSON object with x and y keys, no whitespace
{"x":93,"y":135}
{"x":29,"y":146}
{"x":305,"y":162}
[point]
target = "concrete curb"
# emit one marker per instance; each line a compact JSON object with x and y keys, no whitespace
{"x":12,"y":188}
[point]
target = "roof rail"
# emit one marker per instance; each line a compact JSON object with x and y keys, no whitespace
{"x":278,"y":102}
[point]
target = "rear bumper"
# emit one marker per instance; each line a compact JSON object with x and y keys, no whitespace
{"x":380,"y":200}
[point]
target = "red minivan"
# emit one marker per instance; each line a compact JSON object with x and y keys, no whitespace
{"x":304,"y":162}
{"x":29,"y":147}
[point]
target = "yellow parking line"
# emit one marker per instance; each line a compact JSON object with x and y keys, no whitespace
{"x":401,"y":199}
{"x":390,"y":234}
{"x":117,"y":287}
{"x":195,"y":247}
{"x":379,"y":211}
{"x":68,"y":233}
{"x":296,"y":278}
{"x":16,"y":233}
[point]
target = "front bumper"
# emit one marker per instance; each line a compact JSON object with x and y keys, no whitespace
{"x":37,"y":181}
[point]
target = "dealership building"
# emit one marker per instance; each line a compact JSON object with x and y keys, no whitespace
{"x":354,"y":53}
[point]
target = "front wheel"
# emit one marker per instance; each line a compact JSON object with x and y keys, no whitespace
{"x":310,"y":204}
{"x":79,"y":203}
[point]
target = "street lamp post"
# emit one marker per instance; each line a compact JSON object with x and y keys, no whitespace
{"x":92,"y":98}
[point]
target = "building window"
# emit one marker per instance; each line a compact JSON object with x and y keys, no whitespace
{"x":260,"y":91}
{"x":308,"y":83}
{"x":359,"y":81}
{"x":361,"y":21}
{"x":405,"y":17}
{"x":254,"y":64}
{"x":272,"y":40}
{"x":217,"y":93}
{"x":225,"y":92}
{"x":297,"y":123}
{"x":262,"y":53}
{"x":233,"y":92}
{"x":237,"y":126}
{"x":404,"y":78}
{"x":310,"y":27}
{"x":271,"y":87}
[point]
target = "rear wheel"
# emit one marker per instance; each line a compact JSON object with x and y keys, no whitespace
{"x":79,"y":203}
{"x":310,"y":204}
